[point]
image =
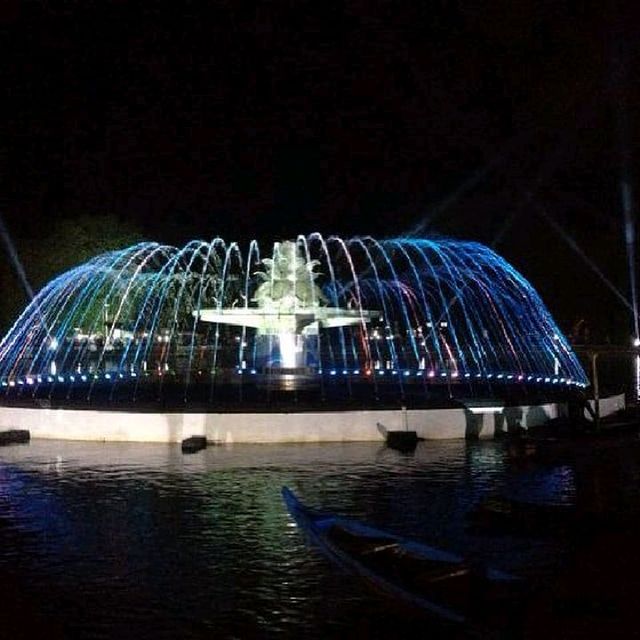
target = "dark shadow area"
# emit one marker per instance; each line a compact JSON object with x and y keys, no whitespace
{"x":247,"y":393}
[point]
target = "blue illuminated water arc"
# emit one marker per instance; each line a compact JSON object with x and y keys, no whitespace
{"x":445,"y":311}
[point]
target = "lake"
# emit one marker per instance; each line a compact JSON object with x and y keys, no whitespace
{"x":114,"y":541}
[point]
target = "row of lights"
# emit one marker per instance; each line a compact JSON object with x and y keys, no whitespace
{"x":454,"y":375}
{"x":31,"y":380}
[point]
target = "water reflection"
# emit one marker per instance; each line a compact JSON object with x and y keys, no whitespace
{"x":122,"y":540}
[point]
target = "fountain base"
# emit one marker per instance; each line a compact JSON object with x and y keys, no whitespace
{"x":293,"y":424}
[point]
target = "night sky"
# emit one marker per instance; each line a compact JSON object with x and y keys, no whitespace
{"x":475,"y":120}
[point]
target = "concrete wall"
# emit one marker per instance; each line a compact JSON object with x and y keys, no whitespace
{"x":608,"y":405}
{"x":329,"y":426}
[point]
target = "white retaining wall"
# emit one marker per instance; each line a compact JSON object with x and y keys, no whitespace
{"x":608,"y":405}
{"x":326,"y":426}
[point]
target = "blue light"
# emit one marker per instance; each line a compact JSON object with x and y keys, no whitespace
{"x":394,"y":373}
{"x":253,"y":372}
{"x":72,"y":378}
{"x":381,"y":372}
{"x":407,"y":373}
{"x":467,"y":375}
{"x":356,"y":371}
{"x":333,"y":372}
{"x":83,"y":378}
{"x":133,"y":374}
{"x":107,"y":376}
{"x":500,"y":375}
{"x":489,"y":375}
{"x":344,"y":372}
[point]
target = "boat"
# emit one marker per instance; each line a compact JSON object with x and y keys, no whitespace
{"x":14,"y":436}
{"x":193,"y":444}
{"x":405,"y":441}
{"x":433,"y":581}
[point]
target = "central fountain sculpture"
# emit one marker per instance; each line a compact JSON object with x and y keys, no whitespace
{"x":290,"y":308}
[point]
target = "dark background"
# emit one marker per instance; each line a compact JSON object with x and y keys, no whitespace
{"x":491,"y":121}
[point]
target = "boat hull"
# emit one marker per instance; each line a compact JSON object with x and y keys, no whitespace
{"x":428,"y":579}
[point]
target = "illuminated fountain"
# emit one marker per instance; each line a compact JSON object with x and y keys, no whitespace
{"x":291,"y":308}
{"x":357,"y":315}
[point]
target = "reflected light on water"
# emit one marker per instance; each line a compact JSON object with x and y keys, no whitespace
{"x":141,"y":541}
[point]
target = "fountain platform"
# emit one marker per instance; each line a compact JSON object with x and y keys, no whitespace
{"x":279,"y":422}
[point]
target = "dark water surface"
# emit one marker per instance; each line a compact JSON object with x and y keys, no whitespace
{"x":114,"y":541}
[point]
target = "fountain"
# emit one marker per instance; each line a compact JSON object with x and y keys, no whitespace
{"x":346,"y":323}
{"x":440,"y":310}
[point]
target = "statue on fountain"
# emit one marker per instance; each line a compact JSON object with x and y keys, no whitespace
{"x":290,"y":306}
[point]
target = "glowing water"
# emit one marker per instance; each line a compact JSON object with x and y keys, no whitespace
{"x":433,"y":311}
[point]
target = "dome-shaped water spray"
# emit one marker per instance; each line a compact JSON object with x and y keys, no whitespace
{"x":404,"y":313}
